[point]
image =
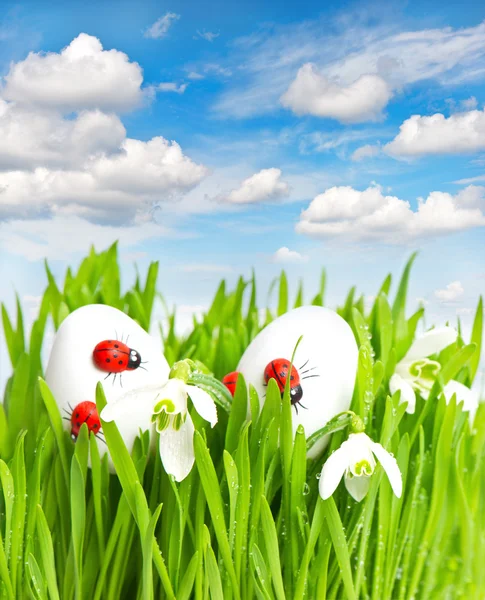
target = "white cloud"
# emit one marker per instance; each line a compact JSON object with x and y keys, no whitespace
{"x":209,"y":36}
{"x":469,"y":103}
{"x":82,"y":76}
{"x":62,"y":237}
{"x":465,"y":311}
{"x":343,"y":50}
{"x":171,"y":86}
{"x":160,"y":28}
{"x":469,"y":180}
{"x":436,"y":134}
{"x":286,"y":256}
{"x":451,"y":293}
{"x":260,"y":187}
{"x":370,"y":215}
{"x":106,"y":187}
{"x":31,"y":138}
{"x":367,"y":151}
{"x":313,"y":93}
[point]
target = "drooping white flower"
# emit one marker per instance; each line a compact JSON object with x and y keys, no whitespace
{"x":463,"y":394}
{"x":166,"y":407}
{"x":355,"y":460}
{"x":417,"y":372}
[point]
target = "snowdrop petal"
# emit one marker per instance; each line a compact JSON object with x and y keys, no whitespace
{"x":175,"y":391}
{"x":390,"y":466}
{"x":464,"y":394}
{"x":407,"y":393}
{"x":431,"y":342}
{"x":203,"y":403}
{"x":357,"y":487}
{"x":333,"y":471}
{"x":137,"y":403}
{"x":177,"y":449}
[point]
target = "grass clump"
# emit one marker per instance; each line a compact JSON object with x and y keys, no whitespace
{"x":248,"y":521}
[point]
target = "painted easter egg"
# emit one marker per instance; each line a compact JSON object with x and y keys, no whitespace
{"x":325,"y":365}
{"x":73,"y":370}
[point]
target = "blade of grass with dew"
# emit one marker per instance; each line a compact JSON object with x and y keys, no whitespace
{"x":233,"y":487}
{"x":47,"y":554}
{"x":210,"y":484}
{"x":18,"y":515}
{"x":128,"y":476}
{"x":272,"y":550}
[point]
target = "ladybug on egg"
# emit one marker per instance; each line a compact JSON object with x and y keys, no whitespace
{"x":279,"y":370}
{"x":84,"y":412}
{"x":115,"y":357}
{"x":230,"y":381}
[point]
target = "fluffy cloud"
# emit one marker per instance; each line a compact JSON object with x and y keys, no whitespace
{"x":436,"y":134}
{"x":370,"y":215}
{"x":260,"y":187}
{"x":53,"y":163}
{"x":30,"y":138}
{"x":82,"y":76}
{"x":286,"y":256}
{"x":313,"y":93}
{"x":270,"y":59}
{"x":63,"y":236}
{"x":367,"y":151}
{"x":111,"y":188}
{"x":452,"y":292}
{"x":160,"y":28}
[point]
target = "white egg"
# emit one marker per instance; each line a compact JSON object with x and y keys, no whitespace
{"x":72,"y":374}
{"x":326,"y":360}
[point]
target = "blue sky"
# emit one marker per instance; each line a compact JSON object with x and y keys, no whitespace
{"x":217,"y":137}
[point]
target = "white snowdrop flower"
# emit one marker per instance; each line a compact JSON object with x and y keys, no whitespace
{"x":166,"y":407}
{"x":355,"y":460}
{"x":416,"y":372}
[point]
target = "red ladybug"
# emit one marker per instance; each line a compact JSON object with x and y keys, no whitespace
{"x":114,"y":356}
{"x":278,"y":369}
{"x":230,"y":381}
{"x":85,"y":412}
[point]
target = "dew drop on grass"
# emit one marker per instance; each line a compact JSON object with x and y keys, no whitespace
{"x":306,"y":489}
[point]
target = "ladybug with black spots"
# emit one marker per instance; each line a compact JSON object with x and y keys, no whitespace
{"x":230,"y":381}
{"x":85,"y":412}
{"x":116,"y":357}
{"x":278,"y":369}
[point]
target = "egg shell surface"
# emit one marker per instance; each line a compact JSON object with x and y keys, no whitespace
{"x":72,"y":375}
{"x":329,"y":346}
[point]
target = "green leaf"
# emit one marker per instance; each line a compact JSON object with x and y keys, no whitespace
{"x":476,"y":338}
{"x":212,"y":493}
{"x":47,"y":553}
{"x":339,"y":541}
{"x":148,"y":549}
{"x":399,"y":311}
{"x":213,"y":575}
{"x":283,"y":295}
{"x":272,"y":550}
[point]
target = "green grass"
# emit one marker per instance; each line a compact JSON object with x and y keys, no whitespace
{"x":248,"y":521}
